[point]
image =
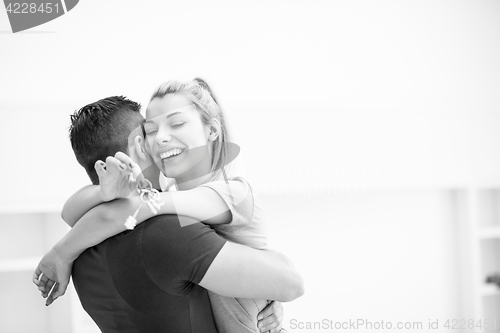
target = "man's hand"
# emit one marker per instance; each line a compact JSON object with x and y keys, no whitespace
{"x":117,"y":177}
{"x":52,"y":276}
{"x":271,"y":318}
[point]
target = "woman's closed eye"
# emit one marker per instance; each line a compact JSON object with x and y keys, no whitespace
{"x":177,"y":124}
{"x":150,"y":131}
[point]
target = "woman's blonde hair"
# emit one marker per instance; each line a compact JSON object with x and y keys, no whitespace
{"x":202,"y":97}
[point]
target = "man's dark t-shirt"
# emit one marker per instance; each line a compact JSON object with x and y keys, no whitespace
{"x":145,"y":280}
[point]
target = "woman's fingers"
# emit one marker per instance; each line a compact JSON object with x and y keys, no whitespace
{"x":271,"y":317}
{"x":131,"y":165}
{"x":136,"y":172}
{"x":40,"y":280}
{"x":124,"y":158}
{"x":110,"y":166}
{"x":100,"y":168}
{"x":58,"y":291}
{"x":37,"y":275}
{"x":48,"y":288}
{"x":51,"y":298}
{"x":115,"y":165}
{"x":41,"y":285}
{"x":120,"y":163}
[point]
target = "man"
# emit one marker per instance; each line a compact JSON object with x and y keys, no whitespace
{"x":150,"y":279}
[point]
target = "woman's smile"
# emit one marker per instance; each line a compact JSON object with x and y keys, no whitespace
{"x":171,"y":153}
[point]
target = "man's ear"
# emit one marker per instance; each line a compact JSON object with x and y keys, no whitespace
{"x":215,"y":130}
{"x":140,"y":150}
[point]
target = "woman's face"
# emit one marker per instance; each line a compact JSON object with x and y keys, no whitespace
{"x":176,"y":138}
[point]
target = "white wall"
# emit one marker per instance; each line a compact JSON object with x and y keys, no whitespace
{"x":374,"y":256}
{"x":376,"y":109}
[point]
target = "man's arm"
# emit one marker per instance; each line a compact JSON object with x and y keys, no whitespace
{"x":240,"y":271}
{"x":236,"y":271}
{"x":174,"y":254}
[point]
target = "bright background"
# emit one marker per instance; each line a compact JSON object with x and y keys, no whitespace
{"x":363,"y":124}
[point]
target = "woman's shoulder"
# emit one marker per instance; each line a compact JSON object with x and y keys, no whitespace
{"x":232,"y":184}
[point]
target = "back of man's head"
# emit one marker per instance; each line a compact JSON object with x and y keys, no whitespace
{"x":101,"y":129}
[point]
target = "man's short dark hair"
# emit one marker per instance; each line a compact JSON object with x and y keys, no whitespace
{"x":101,"y":129}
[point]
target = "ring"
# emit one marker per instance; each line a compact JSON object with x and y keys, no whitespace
{"x":152,"y":195}
{"x":144,"y":184}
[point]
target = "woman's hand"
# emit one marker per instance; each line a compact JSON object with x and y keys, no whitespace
{"x":118,"y":176}
{"x":270,"y":318}
{"x":52,"y":275}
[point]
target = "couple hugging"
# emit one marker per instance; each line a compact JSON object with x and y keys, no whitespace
{"x":200,"y":263}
